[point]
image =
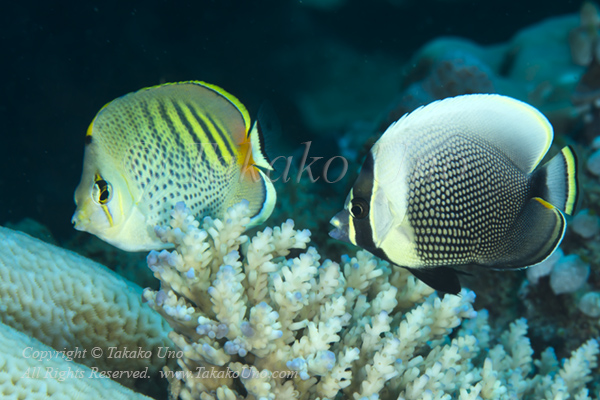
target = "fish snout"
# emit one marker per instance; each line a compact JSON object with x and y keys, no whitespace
{"x":340,"y":221}
{"x":78,"y":220}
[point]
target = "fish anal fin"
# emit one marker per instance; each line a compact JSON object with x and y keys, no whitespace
{"x":256,"y":187}
{"x":442,"y":279}
{"x":535,"y":235}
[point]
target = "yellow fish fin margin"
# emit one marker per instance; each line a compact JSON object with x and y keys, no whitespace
{"x":231,"y":98}
{"x":258,"y":149}
{"x":572,"y":186}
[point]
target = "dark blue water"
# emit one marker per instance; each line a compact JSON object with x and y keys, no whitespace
{"x":62,"y":62}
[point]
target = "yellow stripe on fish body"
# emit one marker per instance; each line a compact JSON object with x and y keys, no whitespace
{"x":187,"y":141}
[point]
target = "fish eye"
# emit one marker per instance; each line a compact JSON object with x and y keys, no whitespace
{"x":359,"y":208}
{"x":102,"y":191}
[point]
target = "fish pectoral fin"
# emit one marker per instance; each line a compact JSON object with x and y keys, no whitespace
{"x":442,"y":279}
{"x":534,"y":236}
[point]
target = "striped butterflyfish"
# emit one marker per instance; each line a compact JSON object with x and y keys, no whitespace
{"x":147,"y":150}
{"x":455,"y":184}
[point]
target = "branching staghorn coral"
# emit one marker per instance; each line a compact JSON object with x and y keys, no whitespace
{"x":254,"y":324}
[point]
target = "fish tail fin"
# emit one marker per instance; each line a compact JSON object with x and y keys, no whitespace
{"x":265,"y":122}
{"x":256,"y":187}
{"x":557,"y":181}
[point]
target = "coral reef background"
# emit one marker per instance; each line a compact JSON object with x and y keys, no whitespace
{"x":337,"y":73}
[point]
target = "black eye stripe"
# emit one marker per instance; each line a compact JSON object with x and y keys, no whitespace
{"x":104,"y":190}
{"x":359,"y":208}
{"x":104,"y":194}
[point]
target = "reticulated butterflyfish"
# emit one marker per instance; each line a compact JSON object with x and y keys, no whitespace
{"x":455,"y":184}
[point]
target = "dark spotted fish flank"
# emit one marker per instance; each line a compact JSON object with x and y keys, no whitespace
{"x":158,"y":146}
{"x":457,"y":183}
{"x":190,"y":152}
{"x":462,"y":202}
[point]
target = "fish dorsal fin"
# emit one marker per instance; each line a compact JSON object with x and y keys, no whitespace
{"x":210,"y":101}
{"x":226,"y":95}
{"x":229,"y":100}
{"x":511,"y":126}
